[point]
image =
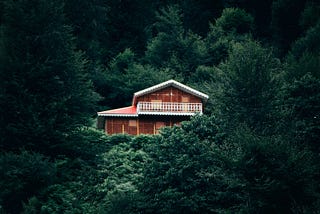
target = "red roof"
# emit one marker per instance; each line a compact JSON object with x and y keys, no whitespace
{"x":130,"y":111}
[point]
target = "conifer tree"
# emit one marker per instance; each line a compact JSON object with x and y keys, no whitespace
{"x":301,"y":89}
{"x":45,"y":92}
{"x":174,"y":47}
{"x":248,"y":85}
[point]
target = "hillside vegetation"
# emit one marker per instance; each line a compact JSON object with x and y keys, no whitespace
{"x":256,"y":149}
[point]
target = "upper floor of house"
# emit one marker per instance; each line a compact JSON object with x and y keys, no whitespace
{"x":167,"y":98}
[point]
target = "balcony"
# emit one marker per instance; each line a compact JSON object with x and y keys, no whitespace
{"x":168,"y":108}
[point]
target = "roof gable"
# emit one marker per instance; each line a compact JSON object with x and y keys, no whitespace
{"x":169,"y":83}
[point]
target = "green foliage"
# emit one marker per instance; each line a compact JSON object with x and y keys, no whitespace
{"x":235,"y":20}
{"x":279,"y":176}
{"x":297,"y":68}
{"x":300,"y":91}
{"x":234,"y":25}
{"x":205,"y":128}
{"x":260,"y":10}
{"x":122,"y":171}
{"x":169,"y":20}
{"x":239,"y":173}
{"x":308,"y":44}
{"x":186,"y":174}
{"x":310,"y":16}
{"x":77,"y":176}
{"x":127,"y":25}
{"x":90,"y":25}
{"x":126,"y":76}
{"x":46,"y":92}
{"x":173,"y":47}
{"x":218,"y":45}
{"x":248,"y":85}
{"x":122,"y":61}
{"x":198,"y":13}
{"x":22,"y":176}
{"x":120,"y":139}
{"x":256,"y":151}
{"x":143,"y":141}
{"x":302,"y":107}
{"x":84,"y":143}
{"x":285,"y":22}
{"x":61,"y":199}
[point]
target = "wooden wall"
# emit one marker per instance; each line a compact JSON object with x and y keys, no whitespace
{"x":169,"y":94}
{"x":141,"y":125}
{"x":121,"y":125}
{"x":149,"y":124}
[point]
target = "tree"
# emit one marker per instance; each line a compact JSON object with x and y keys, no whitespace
{"x":126,"y":76}
{"x":122,"y":168}
{"x":306,"y":45}
{"x":285,"y":22}
{"x":45,"y":90}
{"x":234,"y":24}
{"x":22,"y":176}
{"x":127,"y":23}
{"x":89,"y":21}
{"x":310,"y":15}
{"x":300,"y":91}
{"x":261,"y":11}
{"x":248,"y":85}
{"x":199,"y":168}
{"x":188,"y":172}
{"x":301,"y":110}
{"x":173,"y":47}
{"x":235,"y":20}
{"x":277,"y":175}
{"x":198,"y":13}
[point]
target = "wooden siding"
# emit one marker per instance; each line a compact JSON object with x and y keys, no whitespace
{"x":143,"y":125}
{"x":121,"y":125}
{"x":170,"y":94}
{"x":151,"y":123}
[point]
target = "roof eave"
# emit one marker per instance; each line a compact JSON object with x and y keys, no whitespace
{"x":117,"y":115}
{"x":170,"y":113}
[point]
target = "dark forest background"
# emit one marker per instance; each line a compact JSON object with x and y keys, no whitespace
{"x":256,"y":149}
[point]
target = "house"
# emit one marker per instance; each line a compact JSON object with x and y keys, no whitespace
{"x":166,"y":104}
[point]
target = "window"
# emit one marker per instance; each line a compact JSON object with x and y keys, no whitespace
{"x":132,"y":123}
{"x":185,"y":99}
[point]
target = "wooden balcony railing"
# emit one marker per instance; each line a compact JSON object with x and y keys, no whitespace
{"x":168,"y":108}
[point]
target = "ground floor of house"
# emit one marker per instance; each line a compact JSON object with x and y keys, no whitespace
{"x":144,"y":124}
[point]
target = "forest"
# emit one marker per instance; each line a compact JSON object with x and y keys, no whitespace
{"x":255,"y":150}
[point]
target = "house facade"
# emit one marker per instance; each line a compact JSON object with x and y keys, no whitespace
{"x":166,"y":104}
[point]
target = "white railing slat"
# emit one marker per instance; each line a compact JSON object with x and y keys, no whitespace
{"x":169,"y":107}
